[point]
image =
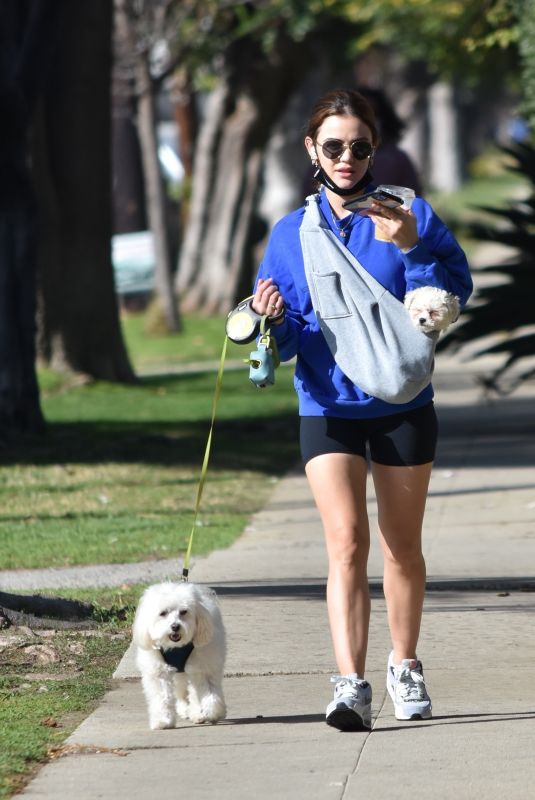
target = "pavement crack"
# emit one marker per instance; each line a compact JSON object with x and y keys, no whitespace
{"x":361,"y":752}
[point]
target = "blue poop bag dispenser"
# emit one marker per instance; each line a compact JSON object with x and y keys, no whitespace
{"x":264,"y":360}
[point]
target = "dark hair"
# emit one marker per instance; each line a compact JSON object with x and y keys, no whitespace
{"x":390,"y":124}
{"x":342,"y":102}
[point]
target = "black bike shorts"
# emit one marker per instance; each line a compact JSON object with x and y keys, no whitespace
{"x":398,"y":440}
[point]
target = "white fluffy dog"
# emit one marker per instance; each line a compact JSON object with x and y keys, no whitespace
{"x":180,"y":639}
{"x":432,"y":309}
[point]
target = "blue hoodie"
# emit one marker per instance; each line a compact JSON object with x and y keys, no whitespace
{"x":436,"y":260}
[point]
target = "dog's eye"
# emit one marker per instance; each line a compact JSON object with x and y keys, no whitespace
{"x":164,"y":613}
{"x":183,"y":612}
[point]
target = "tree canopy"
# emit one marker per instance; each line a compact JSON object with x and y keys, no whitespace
{"x":451,"y":36}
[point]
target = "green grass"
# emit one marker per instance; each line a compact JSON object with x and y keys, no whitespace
{"x":40,"y":705}
{"x":200,"y":340}
{"x":115,"y":477}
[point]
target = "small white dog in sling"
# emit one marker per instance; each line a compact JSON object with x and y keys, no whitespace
{"x":432,"y":309}
{"x":180,"y":638}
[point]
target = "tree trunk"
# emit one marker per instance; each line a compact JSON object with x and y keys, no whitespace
{"x":183,"y":97}
{"x":155,"y":193}
{"x":19,"y":395}
{"x":216,"y":258}
{"x":444,"y":151}
{"x":27,"y":37}
{"x":128,"y":196}
{"x":133,"y":56}
{"x":79,"y":319}
{"x":187,"y":277}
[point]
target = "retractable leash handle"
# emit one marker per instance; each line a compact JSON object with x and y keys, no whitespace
{"x":243,"y":324}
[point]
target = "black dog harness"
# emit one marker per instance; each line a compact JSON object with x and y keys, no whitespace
{"x":177,"y":657}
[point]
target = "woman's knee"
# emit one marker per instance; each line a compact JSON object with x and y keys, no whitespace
{"x":348,"y":546}
{"x":405,"y":553}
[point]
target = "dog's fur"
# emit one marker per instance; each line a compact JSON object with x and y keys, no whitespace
{"x":432,"y":309}
{"x":172,"y":615}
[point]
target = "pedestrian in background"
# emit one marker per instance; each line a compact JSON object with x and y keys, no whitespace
{"x":391,"y":165}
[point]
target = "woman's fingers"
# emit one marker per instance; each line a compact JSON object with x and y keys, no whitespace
{"x":397,"y":223}
{"x":267,"y":299}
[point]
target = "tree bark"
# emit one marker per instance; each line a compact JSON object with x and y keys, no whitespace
{"x":27,"y":36}
{"x":128,"y":196}
{"x":133,"y":53}
{"x":155,"y":193}
{"x":216,"y":258}
{"x":79,"y":318}
{"x":183,"y":97}
{"x":444,"y":151}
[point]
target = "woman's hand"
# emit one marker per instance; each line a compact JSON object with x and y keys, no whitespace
{"x":267,"y":299}
{"x":396,"y":224}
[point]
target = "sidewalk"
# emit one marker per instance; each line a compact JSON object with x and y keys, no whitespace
{"x":477,"y":646}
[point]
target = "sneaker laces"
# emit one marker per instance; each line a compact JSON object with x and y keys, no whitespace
{"x":345,"y":682}
{"x":410,"y":683}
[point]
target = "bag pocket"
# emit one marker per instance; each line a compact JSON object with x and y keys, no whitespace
{"x":330,"y":298}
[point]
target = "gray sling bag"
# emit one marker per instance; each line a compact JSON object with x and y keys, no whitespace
{"x":368,"y":330}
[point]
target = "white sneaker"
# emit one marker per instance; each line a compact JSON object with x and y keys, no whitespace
{"x":351,"y":709}
{"x":406,"y":687}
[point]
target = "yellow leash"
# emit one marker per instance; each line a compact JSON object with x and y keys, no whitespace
{"x":204,"y":468}
{"x":262,"y":365}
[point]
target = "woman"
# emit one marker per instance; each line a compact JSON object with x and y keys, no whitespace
{"x":338,"y":420}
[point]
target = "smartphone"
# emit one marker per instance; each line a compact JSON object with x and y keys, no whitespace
{"x":364,"y":201}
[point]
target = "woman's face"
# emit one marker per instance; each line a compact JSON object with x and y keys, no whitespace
{"x":344,"y":170}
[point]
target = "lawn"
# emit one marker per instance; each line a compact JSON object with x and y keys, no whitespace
{"x":115,"y":477}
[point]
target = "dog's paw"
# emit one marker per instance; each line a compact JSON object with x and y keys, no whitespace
{"x":161,"y":723}
{"x":205,"y":719}
{"x":212,"y":709}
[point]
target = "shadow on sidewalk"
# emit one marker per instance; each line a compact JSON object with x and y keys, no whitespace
{"x":316,"y":590}
{"x":290,"y":719}
{"x":459,"y":719}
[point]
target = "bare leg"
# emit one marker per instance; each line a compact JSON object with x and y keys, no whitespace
{"x":401,"y":494}
{"x":338,"y":483}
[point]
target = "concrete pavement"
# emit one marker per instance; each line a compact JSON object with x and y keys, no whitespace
{"x":477,"y":646}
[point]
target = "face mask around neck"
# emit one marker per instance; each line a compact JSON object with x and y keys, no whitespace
{"x":321,"y":176}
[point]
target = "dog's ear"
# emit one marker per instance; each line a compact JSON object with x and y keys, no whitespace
{"x":408,"y":299}
{"x":204,"y":626}
{"x":454,"y":307}
{"x":140,"y":630}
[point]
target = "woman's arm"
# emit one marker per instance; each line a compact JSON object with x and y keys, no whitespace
{"x":275,"y":290}
{"x":437,"y":258}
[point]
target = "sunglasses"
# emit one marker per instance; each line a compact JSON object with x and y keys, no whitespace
{"x":333,"y":148}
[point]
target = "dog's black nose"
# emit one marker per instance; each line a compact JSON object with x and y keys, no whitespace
{"x":422,"y":320}
{"x":175,"y":626}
